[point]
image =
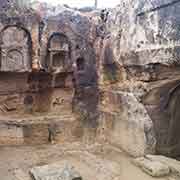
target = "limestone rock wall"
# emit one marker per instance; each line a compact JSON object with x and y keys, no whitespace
{"x":56,"y":48}
{"x":146,"y":31}
{"x":143,"y":38}
{"x":47,"y":68}
{"x":126,"y":124}
{"x":120,"y":76}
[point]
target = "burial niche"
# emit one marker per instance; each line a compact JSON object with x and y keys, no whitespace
{"x":58,"y":47}
{"x":15,"y":49}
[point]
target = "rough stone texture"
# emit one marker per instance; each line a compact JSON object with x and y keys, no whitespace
{"x":37,"y":130}
{"x":173,"y":164}
{"x":153,"y":168}
{"x":56,"y":172}
{"x":126,"y":122}
{"x":68,"y":76}
{"x":41,"y":73}
{"x":154,"y":31}
{"x":140,"y":42}
{"x":58,"y":59}
{"x":88,"y":166}
{"x":21,"y":175}
{"x":15,"y":48}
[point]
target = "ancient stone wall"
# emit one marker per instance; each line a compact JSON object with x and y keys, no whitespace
{"x":144,"y":44}
{"x":47,"y":70}
{"x":117,"y":72}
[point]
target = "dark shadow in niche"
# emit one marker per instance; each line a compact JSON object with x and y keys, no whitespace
{"x":110,"y":67}
{"x":167,"y":123}
{"x":80,"y":62}
{"x":24,"y":36}
{"x":40,"y":87}
{"x":86,"y":94}
{"x":58,"y":60}
{"x":111,"y":72}
{"x":28,"y":102}
{"x":59,"y":80}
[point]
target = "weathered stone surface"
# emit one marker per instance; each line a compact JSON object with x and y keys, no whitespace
{"x":151,"y":36}
{"x":127,"y":123}
{"x":15,"y":50}
{"x":86,"y":165}
{"x":173,"y":164}
{"x":55,"y":172}
{"x":103,"y":168}
{"x":142,"y":39}
{"x":40,"y":49}
{"x":39,"y":130}
{"x":153,"y":168}
{"x":21,"y":175}
{"x":69,"y":58}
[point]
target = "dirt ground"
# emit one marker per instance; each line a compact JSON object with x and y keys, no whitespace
{"x":26,"y":157}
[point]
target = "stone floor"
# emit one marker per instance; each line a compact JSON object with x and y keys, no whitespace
{"x":92,"y":161}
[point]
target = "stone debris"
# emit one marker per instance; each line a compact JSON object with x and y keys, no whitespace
{"x":158,"y":165}
{"x":84,"y":166}
{"x":55,"y":172}
{"x":153,"y":168}
{"x":173,"y":164}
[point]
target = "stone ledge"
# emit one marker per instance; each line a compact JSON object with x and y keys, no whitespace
{"x":38,"y":130}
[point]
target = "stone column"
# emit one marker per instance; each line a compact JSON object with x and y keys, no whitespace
{"x":35,"y":48}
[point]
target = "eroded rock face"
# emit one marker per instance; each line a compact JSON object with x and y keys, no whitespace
{"x":153,"y":168}
{"x":126,"y":122}
{"x":65,"y":60}
{"x":142,"y":40}
{"x":47,"y":67}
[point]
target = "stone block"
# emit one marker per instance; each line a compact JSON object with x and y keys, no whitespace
{"x":173,"y":164}
{"x":153,"y":168}
{"x":55,"y":172}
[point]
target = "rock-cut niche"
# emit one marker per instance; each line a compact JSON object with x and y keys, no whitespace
{"x":15,"y":49}
{"x":58,"y":52}
{"x":80,"y":62}
{"x":168,"y":127}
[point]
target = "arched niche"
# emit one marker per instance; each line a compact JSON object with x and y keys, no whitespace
{"x":58,"y":52}
{"x":16,"y":46}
